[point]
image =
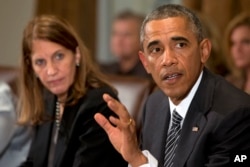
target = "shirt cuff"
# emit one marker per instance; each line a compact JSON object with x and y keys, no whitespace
{"x":152,"y":162}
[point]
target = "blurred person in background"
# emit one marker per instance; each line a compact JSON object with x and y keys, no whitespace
{"x":125,"y":45}
{"x":237,"y":50}
{"x":216,"y":62}
{"x":61,"y":90}
{"x":15,"y":139}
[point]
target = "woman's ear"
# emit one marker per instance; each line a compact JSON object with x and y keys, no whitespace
{"x":144,"y":61}
{"x":78,"y":56}
{"x":205,"y":46}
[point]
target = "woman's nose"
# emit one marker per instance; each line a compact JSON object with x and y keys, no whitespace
{"x":51,"y":69}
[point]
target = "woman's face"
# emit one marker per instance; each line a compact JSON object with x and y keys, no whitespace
{"x":240,"y":46}
{"x":55,"y":66}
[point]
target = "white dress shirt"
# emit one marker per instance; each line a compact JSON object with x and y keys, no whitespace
{"x":182,"y":109}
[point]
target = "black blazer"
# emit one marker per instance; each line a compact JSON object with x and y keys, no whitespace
{"x":81,"y":141}
{"x":220,"y":111}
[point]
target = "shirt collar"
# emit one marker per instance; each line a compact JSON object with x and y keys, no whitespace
{"x":183,"y":106}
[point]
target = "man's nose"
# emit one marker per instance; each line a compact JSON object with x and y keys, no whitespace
{"x":169,"y":58}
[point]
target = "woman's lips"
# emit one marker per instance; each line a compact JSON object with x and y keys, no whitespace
{"x":54,"y":82}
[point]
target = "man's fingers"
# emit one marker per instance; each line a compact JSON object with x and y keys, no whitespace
{"x":116,"y":107}
{"x":103,"y":122}
{"x":112,"y":103}
{"x":114,"y":121}
{"x":107,"y":97}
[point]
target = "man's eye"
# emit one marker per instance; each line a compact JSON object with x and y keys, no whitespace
{"x":155,"y":50}
{"x":181,"y":45}
{"x":40,"y":62}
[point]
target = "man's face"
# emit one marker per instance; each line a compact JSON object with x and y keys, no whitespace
{"x":125,"y":38}
{"x":173,"y":56}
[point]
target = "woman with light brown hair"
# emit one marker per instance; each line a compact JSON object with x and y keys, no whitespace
{"x":237,"y":50}
{"x":61,"y":90}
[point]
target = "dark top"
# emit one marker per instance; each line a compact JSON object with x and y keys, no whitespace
{"x":215,"y":130}
{"x":81,"y":141}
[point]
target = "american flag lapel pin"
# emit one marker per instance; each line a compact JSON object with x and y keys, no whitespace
{"x":195,"y":129}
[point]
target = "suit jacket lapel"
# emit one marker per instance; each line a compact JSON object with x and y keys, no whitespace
{"x":189,"y":136}
{"x":195,"y":118}
{"x":159,"y":127}
{"x":66,"y":129}
{"x":44,"y":132}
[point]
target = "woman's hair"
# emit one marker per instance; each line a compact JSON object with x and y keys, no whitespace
{"x":87,"y":76}
{"x":242,"y":19}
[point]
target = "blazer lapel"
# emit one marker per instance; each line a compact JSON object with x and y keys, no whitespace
{"x":195,"y":120}
{"x":65,"y":134}
{"x":43,"y":136}
{"x":164,"y":120}
{"x":192,"y":128}
{"x":159,"y":122}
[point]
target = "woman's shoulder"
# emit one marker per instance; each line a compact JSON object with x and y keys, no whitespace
{"x":98,"y":92}
{"x":93,"y":101}
{"x":94,"y":96}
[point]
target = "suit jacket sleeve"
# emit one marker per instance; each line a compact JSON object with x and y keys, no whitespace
{"x":230,"y":138}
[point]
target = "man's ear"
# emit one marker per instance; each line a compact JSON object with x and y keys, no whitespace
{"x":144,"y":61}
{"x":205,"y":47}
{"x":78,"y":56}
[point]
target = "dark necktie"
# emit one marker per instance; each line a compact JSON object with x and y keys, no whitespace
{"x":172,"y":139}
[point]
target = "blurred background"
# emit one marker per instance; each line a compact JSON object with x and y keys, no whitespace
{"x":92,"y":19}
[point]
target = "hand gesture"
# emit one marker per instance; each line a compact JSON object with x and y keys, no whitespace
{"x":122,"y":134}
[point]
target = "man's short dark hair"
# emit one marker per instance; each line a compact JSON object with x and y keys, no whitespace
{"x":173,"y":10}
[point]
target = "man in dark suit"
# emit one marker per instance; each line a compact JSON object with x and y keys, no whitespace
{"x":196,"y":118}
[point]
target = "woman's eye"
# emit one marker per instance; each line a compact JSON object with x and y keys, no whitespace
{"x":39,"y":62}
{"x":181,"y":45}
{"x":59,"y":56}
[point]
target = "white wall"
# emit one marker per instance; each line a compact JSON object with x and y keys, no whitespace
{"x":14,"y":15}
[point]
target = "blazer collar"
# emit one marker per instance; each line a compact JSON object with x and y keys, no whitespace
{"x":66,"y":134}
{"x":159,"y":127}
{"x":44,"y":130}
{"x":195,"y":120}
